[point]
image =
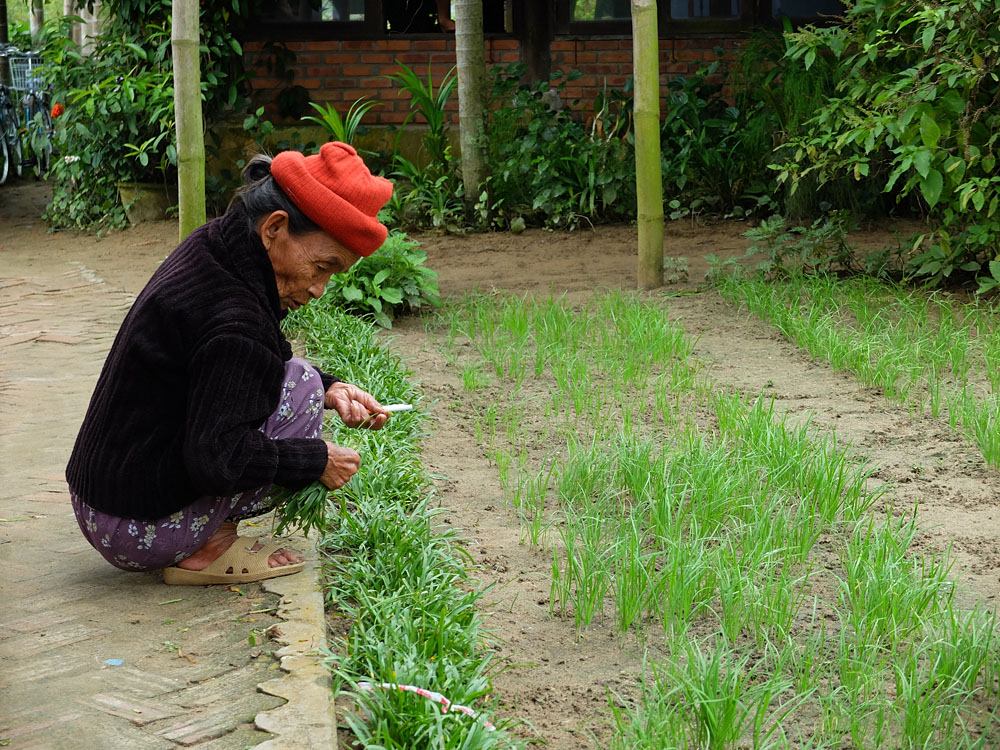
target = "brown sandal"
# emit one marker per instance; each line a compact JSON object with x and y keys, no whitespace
{"x":238,"y":564}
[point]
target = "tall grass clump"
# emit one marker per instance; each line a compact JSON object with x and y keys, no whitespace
{"x":778,"y":597}
{"x":398,"y":578}
{"x":937,"y":355}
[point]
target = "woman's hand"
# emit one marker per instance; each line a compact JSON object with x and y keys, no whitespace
{"x":341,"y":464}
{"x":355,"y":407}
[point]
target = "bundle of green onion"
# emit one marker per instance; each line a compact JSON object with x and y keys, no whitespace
{"x":300,"y":509}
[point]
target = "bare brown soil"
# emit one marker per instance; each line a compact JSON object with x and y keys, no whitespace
{"x":557,"y":680}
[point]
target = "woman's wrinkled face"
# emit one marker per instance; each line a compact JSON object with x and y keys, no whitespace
{"x":303,"y":263}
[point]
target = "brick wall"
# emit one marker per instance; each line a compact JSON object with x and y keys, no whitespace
{"x":343,"y":71}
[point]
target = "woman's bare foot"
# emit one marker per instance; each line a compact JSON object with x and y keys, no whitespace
{"x":223,"y":539}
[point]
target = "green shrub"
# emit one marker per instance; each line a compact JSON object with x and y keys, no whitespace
{"x":776,"y":95}
{"x":546,"y":166}
{"x":118,"y":123}
{"x":391,"y":281}
{"x":701,"y":149}
{"x":915,"y":112}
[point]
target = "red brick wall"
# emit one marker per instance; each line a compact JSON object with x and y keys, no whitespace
{"x":608,"y":62}
{"x":344,"y":71}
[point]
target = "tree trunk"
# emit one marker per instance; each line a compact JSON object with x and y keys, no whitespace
{"x":648,"y":176}
{"x":470,"y":56}
{"x":36,"y":21}
{"x":4,"y":38}
{"x":187,"y":112}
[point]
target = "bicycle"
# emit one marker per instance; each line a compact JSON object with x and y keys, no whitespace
{"x":38,"y":128}
{"x":10,"y":136}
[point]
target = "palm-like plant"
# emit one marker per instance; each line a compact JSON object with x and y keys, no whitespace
{"x":345,"y":128}
{"x":431,"y":105}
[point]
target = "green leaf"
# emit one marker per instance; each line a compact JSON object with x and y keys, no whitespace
{"x":392,"y":295}
{"x":930,"y":133}
{"x":381,"y":276}
{"x":352,"y":293}
{"x":922,"y":162}
{"x":930,"y":267}
{"x":236,"y":46}
{"x":995,"y":269}
{"x":931,"y":187}
{"x":928,"y":37}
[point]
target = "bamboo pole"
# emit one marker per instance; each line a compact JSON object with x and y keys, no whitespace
{"x":187,"y":113}
{"x":470,"y":58}
{"x":648,"y":177}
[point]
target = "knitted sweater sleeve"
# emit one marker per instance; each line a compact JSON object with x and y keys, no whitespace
{"x":328,"y":380}
{"x":234,"y":386}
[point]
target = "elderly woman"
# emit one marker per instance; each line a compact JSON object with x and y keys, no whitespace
{"x":201,"y":407}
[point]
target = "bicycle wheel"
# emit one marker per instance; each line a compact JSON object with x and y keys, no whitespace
{"x":12,"y":136}
{"x":4,"y":160}
{"x":16,"y":153}
{"x":41,"y":143}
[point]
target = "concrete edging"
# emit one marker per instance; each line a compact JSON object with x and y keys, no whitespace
{"x":308,"y":718}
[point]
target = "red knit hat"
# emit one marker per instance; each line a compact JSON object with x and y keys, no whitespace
{"x":335,"y":189}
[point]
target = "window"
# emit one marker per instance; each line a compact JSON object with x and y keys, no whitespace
{"x":806,"y":10}
{"x":680,"y":17}
{"x":299,"y":11}
{"x":310,"y":19}
{"x":368,"y":19}
{"x":599,"y":10}
{"x":684,"y":9}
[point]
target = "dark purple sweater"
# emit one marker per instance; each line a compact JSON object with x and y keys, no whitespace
{"x":194,"y":372}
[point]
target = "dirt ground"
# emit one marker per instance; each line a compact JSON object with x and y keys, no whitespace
{"x":557,"y":680}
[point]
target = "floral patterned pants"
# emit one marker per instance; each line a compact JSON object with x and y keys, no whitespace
{"x":140,"y":545}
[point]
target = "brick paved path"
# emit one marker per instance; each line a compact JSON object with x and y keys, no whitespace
{"x":188,"y":671}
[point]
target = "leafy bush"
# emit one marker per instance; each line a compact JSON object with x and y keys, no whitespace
{"x":701,"y":148}
{"x":391,"y":281}
{"x":776,"y":95}
{"x":917,"y":86}
{"x":821,"y":248}
{"x":548,"y":167}
{"x":118,"y":123}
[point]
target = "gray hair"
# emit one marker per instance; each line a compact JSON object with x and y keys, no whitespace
{"x":262,"y":196}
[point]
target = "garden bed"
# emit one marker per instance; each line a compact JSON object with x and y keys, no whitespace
{"x":559,"y":676}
